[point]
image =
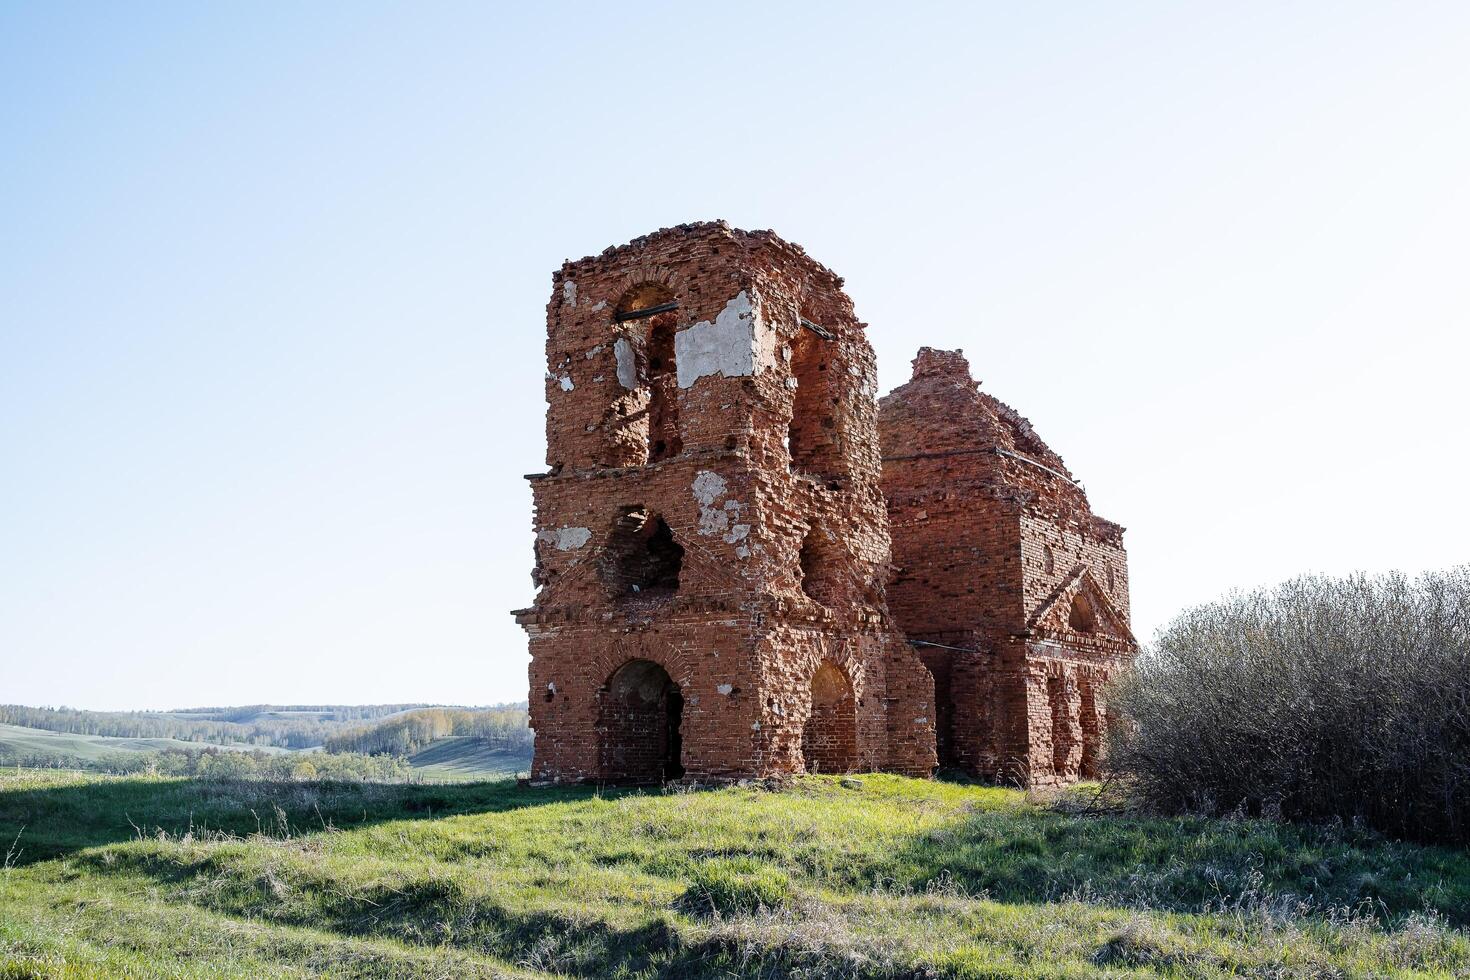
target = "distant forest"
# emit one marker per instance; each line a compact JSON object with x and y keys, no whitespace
{"x":282,"y":726}
{"x":502,"y":726}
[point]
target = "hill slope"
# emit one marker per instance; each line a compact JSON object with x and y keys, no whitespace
{"x":884,"y":878}
{"x":37,"y":747}
{"x":463,"y":757}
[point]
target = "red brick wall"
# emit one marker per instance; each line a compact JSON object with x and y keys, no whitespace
{"x":992,"y":540}
{"x":703,"y":444}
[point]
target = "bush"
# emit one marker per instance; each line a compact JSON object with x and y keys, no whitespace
{"x":1319,"y":699}
{"x":732,"y":887}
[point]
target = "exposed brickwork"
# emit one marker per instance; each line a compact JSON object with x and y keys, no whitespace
{"x":711,"y":541}
{"x":712,"y":545}
{"x":999,"y":556}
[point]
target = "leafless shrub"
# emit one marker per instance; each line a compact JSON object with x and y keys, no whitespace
{"x":1319,"y":699}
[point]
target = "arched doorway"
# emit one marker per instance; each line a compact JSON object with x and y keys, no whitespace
{"x":642,"y":709}
{"x":829,"y":740}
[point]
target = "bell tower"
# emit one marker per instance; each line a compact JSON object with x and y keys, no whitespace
{"x":711,"y":543}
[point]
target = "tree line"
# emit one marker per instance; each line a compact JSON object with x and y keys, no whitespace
{"x":219,"y":726}
{"x":211,"y":763}
{"x":503,"y":726}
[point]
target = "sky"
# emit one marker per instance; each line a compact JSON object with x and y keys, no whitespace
{"x":273,"y":281}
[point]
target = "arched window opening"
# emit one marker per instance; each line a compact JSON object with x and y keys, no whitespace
{"x":639,"y":718}
{"x":650,"y":313}
{"x":1112,"y":578}
{"x":642,"y":557}
{"x":812,"y":438}
{"x":829,"y":740}
{"x":1082,"y":618}
{"x":1048,"y":559}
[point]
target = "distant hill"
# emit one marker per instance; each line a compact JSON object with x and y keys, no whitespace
{"x":465,"y":757}
{"x":258,"y":725}
{"x":438,"y":743}
{"x":37,"y":747}
{"x":408,"y":734}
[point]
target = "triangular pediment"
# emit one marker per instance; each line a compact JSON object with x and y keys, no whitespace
{"x":1094,"y":615}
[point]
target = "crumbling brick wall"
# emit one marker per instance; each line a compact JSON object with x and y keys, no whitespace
{"x":711,"y":541}
{"x":1014,"y":593}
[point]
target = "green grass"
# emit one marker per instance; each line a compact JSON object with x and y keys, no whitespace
{"x":463,"y":757}
{"x":895,"y":878}
{"x":63,"y":747}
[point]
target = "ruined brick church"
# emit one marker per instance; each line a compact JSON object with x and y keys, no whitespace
{"x":749,"y":566}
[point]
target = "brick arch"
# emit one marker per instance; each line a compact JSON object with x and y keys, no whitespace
{"x":640,"y":714}
{"x":829,"y":737}
{"x":846,"y":657}
{"x":679,"y":666}
{"x":669,"y":280}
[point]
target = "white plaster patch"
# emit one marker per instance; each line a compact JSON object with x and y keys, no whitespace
{"x":736,"y":344}
{"x":921,"y":721}
{"x":601,"y":305}
{"x":569,"y":292}
{"x":594,"y":352}
{"x":627,"y":363}
{"x":566,"y":382}
{"x":712,"y":521}
{"x":724,"y":688}
{"x":566,"y":538}
{"x":708,"y":487}
{"x":742,"y":552}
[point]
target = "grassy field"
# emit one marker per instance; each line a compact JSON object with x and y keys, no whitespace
{"x":467,"y":758}
{"x":449,"y":759}
{"x":36,"y":743}
{"x":889,"y":877}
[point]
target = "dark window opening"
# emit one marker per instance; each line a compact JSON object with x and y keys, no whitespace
{"x":642,"y":557}
{"x":812,"y":439}
{"x":651,"y":315}
{"x":816,"y":564}
{"x":639,"y":725}
{"x":663,"y":391}
{"x":1082,"y":618}
{"x":1048,"y":560}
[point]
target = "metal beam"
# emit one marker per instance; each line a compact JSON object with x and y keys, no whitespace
{"x":822,"y":332}
{"x":645,"y":313}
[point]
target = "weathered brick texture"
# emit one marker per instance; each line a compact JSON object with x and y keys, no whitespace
{"x":711,"y":541}
{"x":1015,"y":594}
{"x":713,"y":557}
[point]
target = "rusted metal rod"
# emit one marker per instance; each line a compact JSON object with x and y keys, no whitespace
{"x":645,"y":313}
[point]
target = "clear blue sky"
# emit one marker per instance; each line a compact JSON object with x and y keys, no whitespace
{"x":273,"y":279}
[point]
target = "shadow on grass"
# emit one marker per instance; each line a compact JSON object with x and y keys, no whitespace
{"x":54,"y":821}
{"x":1036,"y":855}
